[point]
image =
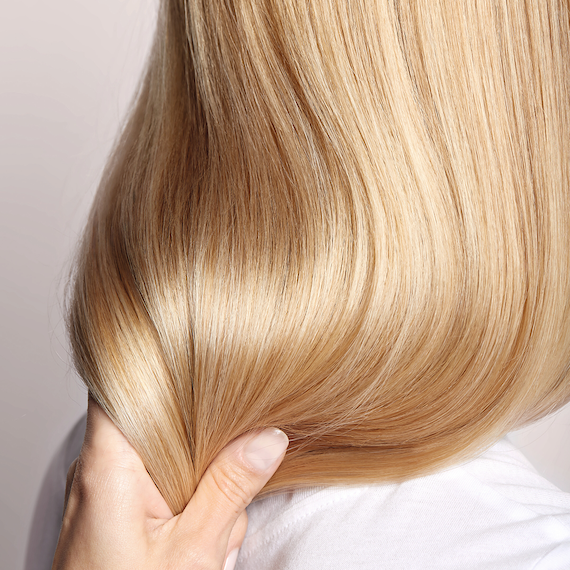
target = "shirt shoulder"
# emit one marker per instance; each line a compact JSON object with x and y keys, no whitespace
{"x":494,"y":512}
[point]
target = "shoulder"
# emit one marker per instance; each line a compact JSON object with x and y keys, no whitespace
{"x":492,"y":512}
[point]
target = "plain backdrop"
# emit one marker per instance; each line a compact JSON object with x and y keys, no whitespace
{"x":68,"y":69}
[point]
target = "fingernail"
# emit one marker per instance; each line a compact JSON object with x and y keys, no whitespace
{"x":265,"y":449}
{"x":231,"y":559}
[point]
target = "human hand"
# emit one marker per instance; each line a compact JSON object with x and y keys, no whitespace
{"x":115,"y":518}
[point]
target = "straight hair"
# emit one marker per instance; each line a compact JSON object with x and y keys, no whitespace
{"x":348,"y":219}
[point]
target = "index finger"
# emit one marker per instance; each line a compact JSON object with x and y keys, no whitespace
{"x":105,"y":441}
{"x":110,"y":467}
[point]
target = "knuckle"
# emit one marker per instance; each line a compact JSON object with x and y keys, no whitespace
{"x":70,"y":475}
{"x":71,"y":470}
{"x":90,"y":479}
{"x":232,"y":485}
{"x":84,"y":484}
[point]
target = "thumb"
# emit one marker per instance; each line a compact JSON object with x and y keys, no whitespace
{"x":230,"y":483}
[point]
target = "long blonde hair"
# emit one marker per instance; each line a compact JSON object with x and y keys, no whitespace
{"x":349,"y":219}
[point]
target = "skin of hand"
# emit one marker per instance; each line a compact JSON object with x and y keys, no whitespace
{"x":115,"y":518}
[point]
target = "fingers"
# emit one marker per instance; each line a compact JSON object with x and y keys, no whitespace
{"x":236,"y":539}
{"x":105,"y":441}
{"x":110,"y":467}
{"x":229,"y":485}
{"x":112,"y":500}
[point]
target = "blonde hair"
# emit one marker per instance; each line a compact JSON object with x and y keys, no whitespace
{"x":346,"y":219}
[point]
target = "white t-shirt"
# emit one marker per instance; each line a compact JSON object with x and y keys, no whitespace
{"x":492,"y":513}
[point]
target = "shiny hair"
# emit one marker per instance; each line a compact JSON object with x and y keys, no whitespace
{"x":349,"y":219}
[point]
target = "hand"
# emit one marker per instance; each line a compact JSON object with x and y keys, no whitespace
{"x":115,"y":517}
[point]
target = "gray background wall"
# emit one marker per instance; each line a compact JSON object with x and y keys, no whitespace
{"x":67,"y":71}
